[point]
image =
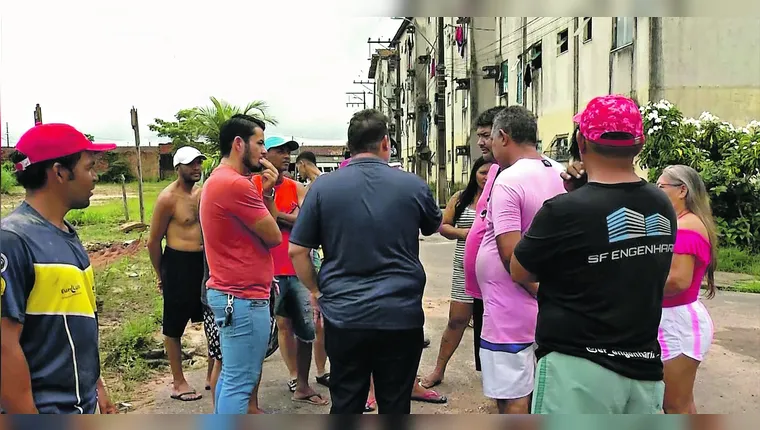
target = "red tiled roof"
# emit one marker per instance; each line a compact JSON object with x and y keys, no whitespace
{"x":325,"y":151}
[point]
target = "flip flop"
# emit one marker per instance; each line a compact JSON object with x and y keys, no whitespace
{"x":310,"y":400}
{"x":370,"y":405}
{"x":434,"y":384}
{"x":431,"y":397}
{"x":184,"y":396}
{"x":324,"y":380}
{"x":292,"y":384}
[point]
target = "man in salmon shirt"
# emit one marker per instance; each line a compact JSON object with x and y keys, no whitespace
{"x":239,"y":229}
{"x":293,"y":308}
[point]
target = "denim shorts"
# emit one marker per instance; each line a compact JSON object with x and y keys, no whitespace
{"x":294,"y":302}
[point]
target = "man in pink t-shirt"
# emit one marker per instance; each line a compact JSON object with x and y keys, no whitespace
{"x":484,"y":125}
{"x":510,"y":309}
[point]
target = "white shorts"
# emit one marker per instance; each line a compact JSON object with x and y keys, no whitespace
{"x":687,"y":330}
{"x":507,"y":375}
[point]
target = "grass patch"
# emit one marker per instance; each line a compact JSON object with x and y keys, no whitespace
{"x":7,"y":178}
{"x":130,"y":318}
{"x":737,"y":260}
{"x":745,"y":287}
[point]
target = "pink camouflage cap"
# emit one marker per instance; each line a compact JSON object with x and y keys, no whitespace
{"x":611,"y":114}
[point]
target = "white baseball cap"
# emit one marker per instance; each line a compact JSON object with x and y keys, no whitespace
{"x":186,"y":155}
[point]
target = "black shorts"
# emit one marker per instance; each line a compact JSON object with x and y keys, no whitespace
{"x":181,"y":276}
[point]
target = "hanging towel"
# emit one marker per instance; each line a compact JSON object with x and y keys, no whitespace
{"x":461,"y":39}
{"x":432,"y":67}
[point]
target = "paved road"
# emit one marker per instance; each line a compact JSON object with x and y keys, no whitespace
{"x":728,"y":382}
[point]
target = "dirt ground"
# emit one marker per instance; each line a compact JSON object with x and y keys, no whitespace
{"x":103,"y":254}
{"x":728,"y":382}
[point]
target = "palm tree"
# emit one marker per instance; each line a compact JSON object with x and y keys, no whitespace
{"x":210,"y":118}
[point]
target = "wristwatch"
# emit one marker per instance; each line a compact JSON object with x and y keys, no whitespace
{"x":270,"y":196}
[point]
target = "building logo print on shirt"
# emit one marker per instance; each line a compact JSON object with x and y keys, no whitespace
{"x":625,"y":224}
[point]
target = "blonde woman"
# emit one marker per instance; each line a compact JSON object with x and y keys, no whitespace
{"x":686,"y":329}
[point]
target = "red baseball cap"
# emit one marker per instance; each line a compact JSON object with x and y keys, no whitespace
{"x":50,"y":141}
{"x":611,"y":114}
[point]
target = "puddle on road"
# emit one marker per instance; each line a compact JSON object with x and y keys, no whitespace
{"x":740,"y":340}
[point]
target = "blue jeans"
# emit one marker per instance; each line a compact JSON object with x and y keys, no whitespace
{"x":244,"y":344}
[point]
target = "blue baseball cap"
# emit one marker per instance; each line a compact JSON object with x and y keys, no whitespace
{"x":275,"y":142}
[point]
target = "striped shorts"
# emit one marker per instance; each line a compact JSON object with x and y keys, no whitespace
{"x":686,"y":329}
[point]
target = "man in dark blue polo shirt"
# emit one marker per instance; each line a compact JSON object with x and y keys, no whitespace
{"x":49,"y":331}
{"x":367,"y":217}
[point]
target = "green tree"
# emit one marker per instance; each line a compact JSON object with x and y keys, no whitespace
{"x":90,"y":137}
{"x":182,"y":132}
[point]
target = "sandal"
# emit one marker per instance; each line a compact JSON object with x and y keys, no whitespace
{"x":431,"y":396}
{"x":292,"y":384}
{"x":324,"y":380}
{"x":370,"y":405}
{"x":310,"y":400}
{"x":185,"y":397}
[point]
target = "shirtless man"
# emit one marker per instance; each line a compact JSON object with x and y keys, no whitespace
{"x":306,"y":166}
{"x":179,"y":265}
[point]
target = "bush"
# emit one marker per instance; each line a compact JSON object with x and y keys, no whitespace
{"x":727,"y":158}
{"x":7,"y":178}
{"x":117,"y":166}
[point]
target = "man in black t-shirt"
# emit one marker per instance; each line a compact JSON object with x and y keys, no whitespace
{"x":602,"y":255}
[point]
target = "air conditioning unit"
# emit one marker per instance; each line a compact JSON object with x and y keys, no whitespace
{"x":490,"y":72}
{"x":463,"y":83}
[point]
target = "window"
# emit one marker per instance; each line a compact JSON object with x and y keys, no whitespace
{"x":588,"y":30}
{"x":623,"y":34}
{"x":519,"y":79}
{"x":562,"y":42}
{"x":504,"y":81}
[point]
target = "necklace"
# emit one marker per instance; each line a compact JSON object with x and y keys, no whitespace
{"x":682,"y":214}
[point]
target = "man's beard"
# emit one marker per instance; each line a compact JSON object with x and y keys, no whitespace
{"x":247,"y":160}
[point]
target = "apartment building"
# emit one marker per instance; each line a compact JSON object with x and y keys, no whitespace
{"x":554,"y":66}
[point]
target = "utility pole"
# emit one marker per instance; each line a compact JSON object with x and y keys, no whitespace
{"x":37,"y":115}
{"x":440,"y":115}
{"x":136,"y":128}
{"x":356,"y":93}
{"x":397,"y":110}
{"x":374,"y":98}
{"x":7,"y":136}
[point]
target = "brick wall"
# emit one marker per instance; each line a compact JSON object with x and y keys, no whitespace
{"x":150,"y":156}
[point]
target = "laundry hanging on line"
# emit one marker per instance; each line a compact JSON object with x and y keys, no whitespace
{"x":461,"y":39}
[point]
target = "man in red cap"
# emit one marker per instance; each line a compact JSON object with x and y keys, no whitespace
{"x":47,"y":282}
{"x":602,"y":255}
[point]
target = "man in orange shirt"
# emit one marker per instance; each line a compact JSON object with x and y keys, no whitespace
{"x":294,"y":304}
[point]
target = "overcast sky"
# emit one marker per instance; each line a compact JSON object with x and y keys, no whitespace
{"x":87,"y":62}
